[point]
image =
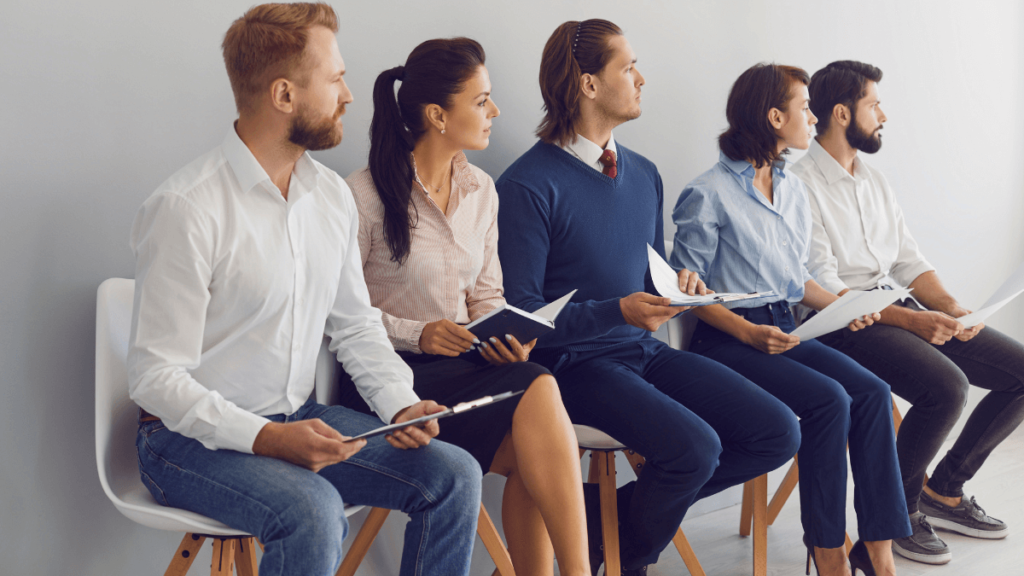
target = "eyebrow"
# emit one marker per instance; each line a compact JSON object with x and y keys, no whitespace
{"x":482,"y":94}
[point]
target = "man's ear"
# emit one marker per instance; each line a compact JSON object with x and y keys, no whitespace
{"x":588,"y":86}
{"x":436,"y":116}
{"x":841,"y":115}
{"x":776,"y":118}
{"x":282,"y":95}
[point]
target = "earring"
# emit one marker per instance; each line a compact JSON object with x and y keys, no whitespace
{"x":442,"y":130}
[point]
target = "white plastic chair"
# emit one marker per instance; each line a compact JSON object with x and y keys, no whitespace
{"x":117,"y":459}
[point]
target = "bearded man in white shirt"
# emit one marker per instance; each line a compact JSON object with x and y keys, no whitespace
{"x":245,"y":259}
{"x":861,"y":242}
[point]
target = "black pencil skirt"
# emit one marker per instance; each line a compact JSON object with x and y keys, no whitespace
{"x":449,"y":381}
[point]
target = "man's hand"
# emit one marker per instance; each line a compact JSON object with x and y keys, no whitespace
{"x":311,"y":444}
{"x":864,"y":321}
{"x":414,"y":436}
{"x":967,"y":333}
{"x":497,"y":353}
{"x":446,"y":338}
{"x":934,"y":327}
{"x":769,"y":339}
{"x":690,"y":283}
{"x":648,"y":312}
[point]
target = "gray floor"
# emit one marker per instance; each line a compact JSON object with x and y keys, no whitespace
{"x":999,"y":488}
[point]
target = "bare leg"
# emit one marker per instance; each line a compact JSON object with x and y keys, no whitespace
{"x":544,"y":490}
{"x":947,"y":500}
{"x":831,"y":561}
{"x":881,"y":557}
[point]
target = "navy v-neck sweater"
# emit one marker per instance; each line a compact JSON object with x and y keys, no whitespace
{"x":563,"y":226}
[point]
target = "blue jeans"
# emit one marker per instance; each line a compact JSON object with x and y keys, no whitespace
{"x":838,"y":402}
{"x":701,"y":427}
{"x":299,"y":515}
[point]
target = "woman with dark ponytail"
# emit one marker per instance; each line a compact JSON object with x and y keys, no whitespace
{"x":428,"y":238}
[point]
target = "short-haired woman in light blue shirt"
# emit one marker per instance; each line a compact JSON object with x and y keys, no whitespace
{"x":745,"y":226}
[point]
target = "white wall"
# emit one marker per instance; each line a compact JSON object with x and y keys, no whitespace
{"x":100,"y":101}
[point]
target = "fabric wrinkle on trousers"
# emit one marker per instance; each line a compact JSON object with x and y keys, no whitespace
{"x":935,"y":380}
{"x":839,"y":403}
{"x":700,"y":426}
{"x":299,"y":516}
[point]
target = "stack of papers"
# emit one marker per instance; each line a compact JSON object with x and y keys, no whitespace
{"x":666,"y":281}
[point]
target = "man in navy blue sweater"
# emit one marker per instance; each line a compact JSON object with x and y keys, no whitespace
{"x":577,"y":212}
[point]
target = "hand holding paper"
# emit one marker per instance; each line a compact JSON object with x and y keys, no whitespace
{"x":666,"y":281}
{"x":849,"y":307}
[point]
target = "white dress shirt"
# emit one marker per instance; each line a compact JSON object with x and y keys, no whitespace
{"x":588,"y":152}
{"x":859,"y":239}
{"x":235,"y":288}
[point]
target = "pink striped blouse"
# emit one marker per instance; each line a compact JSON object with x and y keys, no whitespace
{"x":452,"y":270}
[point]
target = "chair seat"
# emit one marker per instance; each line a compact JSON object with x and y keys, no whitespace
{"x":593,"y":439}
{"x":137,"y":504}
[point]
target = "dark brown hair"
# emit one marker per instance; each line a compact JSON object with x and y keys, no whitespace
{"x":267,"y":43}
{"x":750,"y":135}
{"x":434,"y":73}
{"x":574,"y":49}
{"x":842,"y":82}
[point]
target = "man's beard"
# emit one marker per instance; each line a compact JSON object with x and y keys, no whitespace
{"x":860,"y":140}
{"x":310,"y":135}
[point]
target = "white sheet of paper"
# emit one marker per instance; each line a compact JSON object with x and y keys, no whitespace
{"x":552,"y":310}
{"x":990,"y":308}
{"x":666,"y":281}
{"x":849,"y":307}
{"x":1013,"y":286}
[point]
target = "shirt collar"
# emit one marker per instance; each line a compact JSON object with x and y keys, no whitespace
{"x":588,"y":151}
{"x":744,"y":168}
{"x":250,"y":172}
{"x":829,"y":166}
{"x":462,"y":175}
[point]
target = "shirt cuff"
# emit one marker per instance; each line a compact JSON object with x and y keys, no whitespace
{"x":608,"y":314}
{"x":237,"y":430}
{"x":387,"y":403}
{"x":409,"y":340}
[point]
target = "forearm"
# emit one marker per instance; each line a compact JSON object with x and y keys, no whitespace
{"x":816,"y":297}
{"x":929,"y":291}
{"x":725,"y":320}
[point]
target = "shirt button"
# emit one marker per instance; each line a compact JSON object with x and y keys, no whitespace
{"x":784,"y":244}
{"x":787,"y":268}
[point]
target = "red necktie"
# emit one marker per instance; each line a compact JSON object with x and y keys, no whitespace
{"x":607,"y":160}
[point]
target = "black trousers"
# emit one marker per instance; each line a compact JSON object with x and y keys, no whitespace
{"x":935,"y":379}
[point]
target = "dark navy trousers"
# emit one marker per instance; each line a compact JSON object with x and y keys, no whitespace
{"x":701,"y":427}
{"x":838,"y":402}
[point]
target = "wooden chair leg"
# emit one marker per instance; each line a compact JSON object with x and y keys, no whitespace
{"x":687,"y":554}
{"x":609,"y":511}
{"x":185,"y":555}
{"x":245,"y":557}
{"x":361,"y":545}
{"x":759,"y":497}
{"x":897,"y":418}
{"x":592,"y":473}
{"x":492,"y":541}
{"x":223,"y":563}
{"x":747,"y":508}
{"x":784,"y":491}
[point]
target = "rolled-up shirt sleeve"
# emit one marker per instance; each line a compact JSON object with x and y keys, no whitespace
{"x":173,"y":245}
{"x":360,"y":341}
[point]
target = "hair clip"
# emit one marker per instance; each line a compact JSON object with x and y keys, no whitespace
{"x":577,"y":40}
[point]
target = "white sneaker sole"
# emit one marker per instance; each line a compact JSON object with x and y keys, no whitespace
{"x":922,"y":558}
{"x":972,"y":532}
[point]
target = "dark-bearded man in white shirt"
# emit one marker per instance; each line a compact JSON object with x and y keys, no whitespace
{"x":245,"y":258}
{"x":861,"y":242}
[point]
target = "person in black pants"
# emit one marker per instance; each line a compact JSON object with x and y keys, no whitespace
{"x":928,"y":357}
{"x":744,"y":225}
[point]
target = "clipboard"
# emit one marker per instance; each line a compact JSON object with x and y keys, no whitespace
{"x":453,"y":411}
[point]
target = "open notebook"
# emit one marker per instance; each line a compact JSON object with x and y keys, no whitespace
{"x":525,"y":326}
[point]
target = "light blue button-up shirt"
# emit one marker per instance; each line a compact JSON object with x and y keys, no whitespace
{"x":736,"y":240}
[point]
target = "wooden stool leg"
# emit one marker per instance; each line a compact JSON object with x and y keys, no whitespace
{"x":747,"y":507}
{"x":687,"y":554}
{"x":185,"y":555}
{"x":361,"y":545}
{"x":592,"y":473}
{"x":609,"y":511}
{"x":492,"y":541}
{"x":784,"y":491}
{"x":245,"y":557}
{"x":759,"y":497}
{"x":223,"y":563}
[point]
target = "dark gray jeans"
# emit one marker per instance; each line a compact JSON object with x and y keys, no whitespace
{"x":934,"y":379}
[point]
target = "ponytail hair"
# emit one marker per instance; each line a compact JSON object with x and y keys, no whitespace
{"x":759,"y":89}
{"x":574,"y":49}
{"x":434,"y":73}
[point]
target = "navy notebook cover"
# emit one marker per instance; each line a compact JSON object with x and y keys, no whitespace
{"x":509,"y":321}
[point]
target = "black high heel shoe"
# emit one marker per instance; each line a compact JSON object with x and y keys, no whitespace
{"x":810,"y":557}
{"x":861,"y":560}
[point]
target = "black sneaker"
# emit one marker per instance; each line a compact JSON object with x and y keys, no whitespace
{"x":923,"y":545}
{"x":967,"y":518}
